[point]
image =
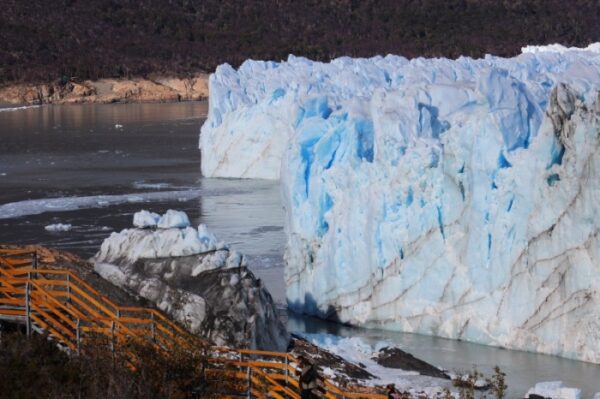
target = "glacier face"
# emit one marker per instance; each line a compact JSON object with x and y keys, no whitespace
{"x":454,"y":198}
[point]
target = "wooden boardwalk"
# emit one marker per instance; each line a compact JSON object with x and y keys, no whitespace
{"x":59,"y":303}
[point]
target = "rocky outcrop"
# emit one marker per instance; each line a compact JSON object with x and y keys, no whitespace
{"x":396,"y":358}
{"x":228,"y":306}
{"x":198,"y":281}
{"x":153,"y":89}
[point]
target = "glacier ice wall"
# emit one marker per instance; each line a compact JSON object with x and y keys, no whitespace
{"x":458,"y":198}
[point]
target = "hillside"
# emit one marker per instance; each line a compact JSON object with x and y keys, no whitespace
{"x":91,"y":39}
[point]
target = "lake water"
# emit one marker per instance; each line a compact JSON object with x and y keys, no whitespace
{"x":93,"y":166}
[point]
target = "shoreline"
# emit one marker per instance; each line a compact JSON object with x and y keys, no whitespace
{"x":107,"y":91}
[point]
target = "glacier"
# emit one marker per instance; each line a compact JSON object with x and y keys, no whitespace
{"x":457,"y":198}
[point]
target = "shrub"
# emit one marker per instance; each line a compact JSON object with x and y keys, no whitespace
{"x":35,"y":367}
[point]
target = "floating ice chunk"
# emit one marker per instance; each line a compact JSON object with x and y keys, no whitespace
{"x":173,"y":218}
{"x":554,"y":390}
{"x":144,"y":219}
{"x":153,"y":186}
{"x":58,"y":227}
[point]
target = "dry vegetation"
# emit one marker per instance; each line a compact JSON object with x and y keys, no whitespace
{"x":36,"y":368}
{"x":90,"y":39}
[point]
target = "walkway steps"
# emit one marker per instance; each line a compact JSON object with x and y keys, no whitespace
{"x":59,"y":303}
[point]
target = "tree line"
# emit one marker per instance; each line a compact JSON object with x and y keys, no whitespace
{"x":91,"y":39}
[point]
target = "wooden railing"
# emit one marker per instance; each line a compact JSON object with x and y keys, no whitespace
{"x":58,"y":302}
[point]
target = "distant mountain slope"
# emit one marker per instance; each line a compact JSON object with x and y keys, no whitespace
{"x":90,"y":39}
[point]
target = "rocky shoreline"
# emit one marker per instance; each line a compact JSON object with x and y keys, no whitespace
{"x":150,"y":89}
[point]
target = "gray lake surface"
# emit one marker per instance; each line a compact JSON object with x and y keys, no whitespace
{"x":93,"y":166}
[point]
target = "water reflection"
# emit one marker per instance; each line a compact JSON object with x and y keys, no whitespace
{"x":74,"y":118}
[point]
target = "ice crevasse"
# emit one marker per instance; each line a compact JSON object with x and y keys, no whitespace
{"x":458,"y":198}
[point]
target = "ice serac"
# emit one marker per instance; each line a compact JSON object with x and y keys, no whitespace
{"x":457,"y":198}
{"x":194,"y":278}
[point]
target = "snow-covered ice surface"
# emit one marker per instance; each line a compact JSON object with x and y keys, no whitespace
{"x":193,"y":277}
{"x":554,"y":390}
{"x":456,"y":198}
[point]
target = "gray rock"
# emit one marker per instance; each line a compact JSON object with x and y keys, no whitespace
{"x":225,"y":303}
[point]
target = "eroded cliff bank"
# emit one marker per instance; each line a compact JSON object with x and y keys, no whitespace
{"x":150,"y":89}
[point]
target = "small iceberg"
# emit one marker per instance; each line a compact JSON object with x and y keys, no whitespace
{"x":58,"y":227}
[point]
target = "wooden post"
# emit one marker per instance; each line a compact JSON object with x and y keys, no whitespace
{"x":112,"y":339}
{"x":118,"y":315}
{"x":112,"y":342}
{"x":28,"y":309}
{"x":69,"y":287}
{"x":78,"y":337}
{"x":34,"y":262}
{"x":249,"y":374}
{"x":287,"y":371}
{"x":204,"y":363}
{"x":152,"y":327}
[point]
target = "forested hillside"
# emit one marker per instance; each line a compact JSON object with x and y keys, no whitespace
{"x":47,"y":40}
